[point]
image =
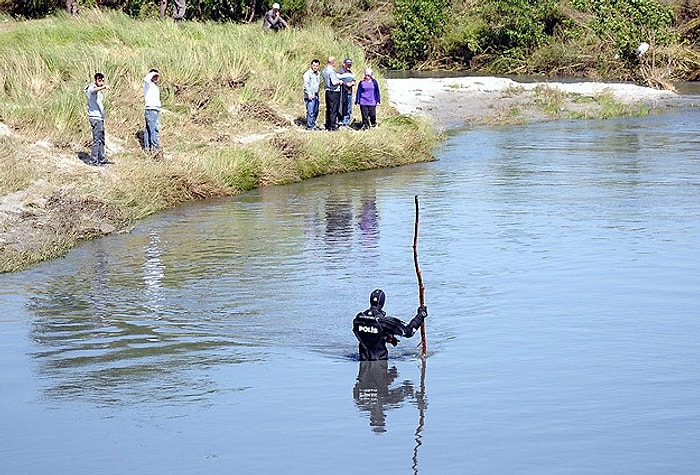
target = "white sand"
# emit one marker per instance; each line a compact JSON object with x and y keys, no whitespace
{"x":449,"y":100}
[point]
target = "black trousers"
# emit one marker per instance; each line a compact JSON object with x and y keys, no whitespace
{"x":369,"y":116}
{"x":332,"y":108}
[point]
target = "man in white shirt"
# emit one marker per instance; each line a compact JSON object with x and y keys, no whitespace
{"x":151,"y":95}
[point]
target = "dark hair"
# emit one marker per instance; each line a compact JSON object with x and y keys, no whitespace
{"x":154,"y":71}
{"x":99,"y":76}
{"x":315,"y":61}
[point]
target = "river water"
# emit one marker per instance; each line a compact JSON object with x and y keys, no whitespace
{"x":560,"y":263}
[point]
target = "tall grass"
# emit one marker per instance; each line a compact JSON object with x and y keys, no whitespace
{"x":219,"y":82}
{"x":45,"y":64}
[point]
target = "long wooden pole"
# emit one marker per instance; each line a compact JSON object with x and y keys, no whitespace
{"x":421,"y":288}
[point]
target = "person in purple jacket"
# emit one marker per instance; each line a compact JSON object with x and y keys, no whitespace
{"x":368,"y":97}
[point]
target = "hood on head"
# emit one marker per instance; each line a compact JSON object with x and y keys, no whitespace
{"x":377,"y":298}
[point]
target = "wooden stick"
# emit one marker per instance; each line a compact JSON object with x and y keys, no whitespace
{"x":421,"y":288}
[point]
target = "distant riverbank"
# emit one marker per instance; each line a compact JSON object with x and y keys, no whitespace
{"x":457,"y":101}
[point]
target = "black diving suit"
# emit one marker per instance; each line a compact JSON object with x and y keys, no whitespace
{"x":373,"y":329}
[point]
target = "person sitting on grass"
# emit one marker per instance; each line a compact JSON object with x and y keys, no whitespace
{"x":273,"y":20}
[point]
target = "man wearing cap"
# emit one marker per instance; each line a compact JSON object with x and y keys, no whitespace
{"x":373,"y":329}
{"x":273,"y":20}
{"x":348,"y":77}
{"x":331,"y":83}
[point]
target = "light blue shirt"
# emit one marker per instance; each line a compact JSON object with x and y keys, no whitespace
{"x":311,"y":83}
{"x":330,"y":79}
{"x":94,"y":99}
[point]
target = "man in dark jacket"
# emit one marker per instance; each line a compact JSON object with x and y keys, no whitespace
{"x":373,"y":329}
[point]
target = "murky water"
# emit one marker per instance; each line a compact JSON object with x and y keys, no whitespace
{"x":561,"y":269}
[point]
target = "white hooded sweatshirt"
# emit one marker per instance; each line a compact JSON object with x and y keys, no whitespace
{"x":151,"y":92}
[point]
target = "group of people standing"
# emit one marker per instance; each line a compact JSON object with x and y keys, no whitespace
{"x":338,"y":88}
{"x":96,"y":116}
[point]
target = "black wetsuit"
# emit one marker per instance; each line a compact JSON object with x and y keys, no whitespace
{"x":374,"y":330}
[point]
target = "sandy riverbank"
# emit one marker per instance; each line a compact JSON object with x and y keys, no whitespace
{"x":454,"y":102}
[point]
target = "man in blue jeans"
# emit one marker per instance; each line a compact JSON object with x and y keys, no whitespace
{"x":151,"y":96}
{"x":312,"y":82}
{"x":348,"y":77}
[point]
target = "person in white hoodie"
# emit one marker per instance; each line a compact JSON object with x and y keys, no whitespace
{"x":151,"y":96}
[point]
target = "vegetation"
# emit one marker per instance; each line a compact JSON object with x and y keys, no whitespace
{"x":229,"y":122}
{"x":584,"y":38}
{"x":418,"y":23}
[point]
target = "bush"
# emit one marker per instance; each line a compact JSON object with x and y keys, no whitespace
{"x":30,"y":8}
{"x":419,"y":23}
{"x":627,"y":23}
{"x":516,"y":27}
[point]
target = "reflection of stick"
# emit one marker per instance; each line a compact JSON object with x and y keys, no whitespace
{"x":421,"y":402}
{"x":421,"y":288}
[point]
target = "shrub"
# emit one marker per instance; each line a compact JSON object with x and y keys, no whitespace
{"x":516,"y":26}
{"x":418,"y":24}
{"x":627,"y":23}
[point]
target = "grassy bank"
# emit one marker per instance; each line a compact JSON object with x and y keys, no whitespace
{"x":231,"y":96}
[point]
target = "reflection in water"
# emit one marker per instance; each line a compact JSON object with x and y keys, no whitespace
{"x":137,"y":318}
{"x":566,"y":254}
{"x":369,"y":222}
{"x":338,"y":221}
{"x":153,"y":275}
{"x":374,"y":393}
{"x":101,"y":337}
{"x":99,"y":284}
{"x":422,"y":403}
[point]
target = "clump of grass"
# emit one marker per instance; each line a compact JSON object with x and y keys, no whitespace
{"x":550,"y":100}
{"x":610,"y":107}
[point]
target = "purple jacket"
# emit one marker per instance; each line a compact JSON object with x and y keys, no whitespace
{"x":361,"y":88}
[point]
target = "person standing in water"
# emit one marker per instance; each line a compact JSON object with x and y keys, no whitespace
{"x":374,"y":329}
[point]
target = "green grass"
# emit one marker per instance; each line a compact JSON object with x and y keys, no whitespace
{"x":219,"y":83}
